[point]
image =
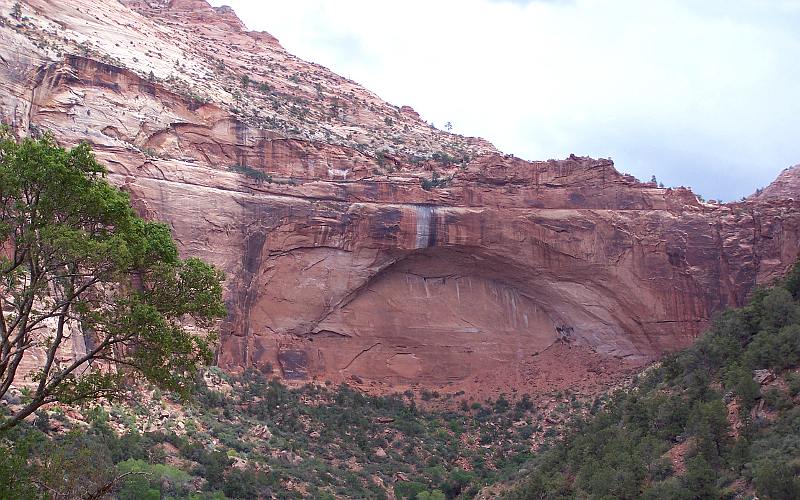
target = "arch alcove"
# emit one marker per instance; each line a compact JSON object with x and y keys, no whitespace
{"x":444,"y":313}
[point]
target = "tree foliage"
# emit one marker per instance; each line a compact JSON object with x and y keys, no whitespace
{"x":75,"y":256}
{"x":620,"y":452}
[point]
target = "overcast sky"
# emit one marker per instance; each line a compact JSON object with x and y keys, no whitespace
{"x":701,"y":93}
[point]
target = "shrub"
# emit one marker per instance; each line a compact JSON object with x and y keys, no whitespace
{"x":776,"y":399}
{"x":16,"y":11}
{"x":700,"y":478}
{"x":435,"y":182}
{"x":745,"y":387}
{"x":147,"y":480}
{"x":775,"y":480}
{"x":771,"y":349}
{"x":252,"y":173}
{"x":409,"y":489}
{"x":247,"y":483}
{"x":431,"y":495}
{"x":14,"y":480}
{"x":443,"y":158}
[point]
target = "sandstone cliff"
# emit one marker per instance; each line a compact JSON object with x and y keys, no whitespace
{"x":786,"y":186}
{"x":358,"y":240}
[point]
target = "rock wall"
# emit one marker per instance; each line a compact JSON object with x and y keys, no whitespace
{"x":339,"y":263}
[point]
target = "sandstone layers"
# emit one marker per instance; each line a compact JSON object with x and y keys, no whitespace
{"x":308,"y":191}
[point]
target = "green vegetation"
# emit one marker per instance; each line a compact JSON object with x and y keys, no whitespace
{"x":16,"y":11}
{"x":688,"y":401}
{"x":435,"y":181}
{"x":252,"y":173}
{"x":149,"y":153}
{"x":260,"y":176}
{"x":77,"y":256}
{"x":444,"y":159}
{"x":251,"y":437}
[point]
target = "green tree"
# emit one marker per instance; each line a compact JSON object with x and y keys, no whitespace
{"x":745,"y":387}
{"x":408,"y":489}
{"x":778,"y":309}
{"x":792,"y":281}
{"x":709,"y":423}
{"x":775,"y":480}
{"x":14,"y":480}
{"x":16,"y":11}
{"x":700,"y":479}
{"x":431,"y":495}
{"x":457,"y":482}
{"x":771,"y":349}
{"x":73,"y":253}
{"x":247,"y":483}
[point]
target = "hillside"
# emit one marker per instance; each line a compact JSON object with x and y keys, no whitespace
{"x":250,"y":437}
{"x":718,"y":420}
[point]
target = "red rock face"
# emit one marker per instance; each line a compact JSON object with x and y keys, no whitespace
{"x":432,"y":291}
{"x":338,"y":262}
{"x":786,"y":186}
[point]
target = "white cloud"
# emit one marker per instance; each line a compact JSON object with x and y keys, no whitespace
{"x":699,"y":93}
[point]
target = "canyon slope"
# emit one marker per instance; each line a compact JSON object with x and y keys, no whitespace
{"x":358,"y":241}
